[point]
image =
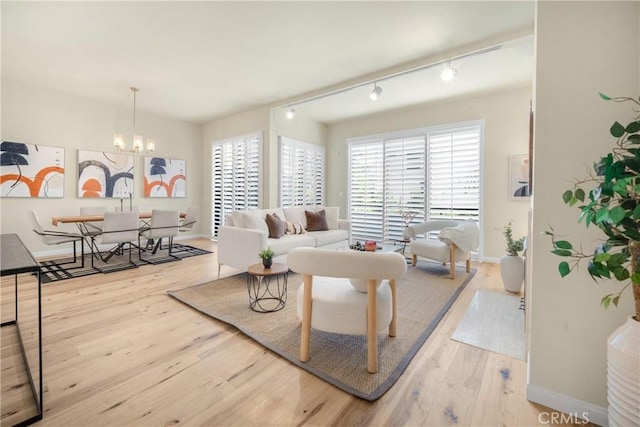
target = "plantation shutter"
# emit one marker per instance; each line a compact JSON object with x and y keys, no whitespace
{"x":454,"y":174}
{"x":366,"y":187}
{"x":235,"y":176}
{"x":404,"y":184}
{"x":302,"y":173}
{"x":404,"y":178}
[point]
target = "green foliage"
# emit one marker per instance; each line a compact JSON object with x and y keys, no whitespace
{"x":513,"y":246}
{"x":266,"y":253}
{"x":609,"y":198}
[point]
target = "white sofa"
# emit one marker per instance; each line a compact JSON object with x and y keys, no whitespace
{"x":245,"y":233}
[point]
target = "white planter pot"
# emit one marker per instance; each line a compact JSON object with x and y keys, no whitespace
{"x":623,"y":374}
{"x":512,"y":271}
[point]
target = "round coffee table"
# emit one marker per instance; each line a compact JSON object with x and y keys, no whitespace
{"x":267,"y":287}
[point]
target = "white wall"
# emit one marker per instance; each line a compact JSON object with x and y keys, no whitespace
{"x":582,"y":48}
{"x":506,"y":133}
{"x":37,"y":116}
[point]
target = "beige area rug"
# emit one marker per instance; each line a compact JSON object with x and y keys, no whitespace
{"x":494,"y":321}
{"x":425,"y":294}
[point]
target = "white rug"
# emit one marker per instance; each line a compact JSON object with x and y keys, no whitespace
{"x":493,"y":321}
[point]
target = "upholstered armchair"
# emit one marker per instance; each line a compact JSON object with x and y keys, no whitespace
{"x":455,"y":241}
{"x":347,"y":292}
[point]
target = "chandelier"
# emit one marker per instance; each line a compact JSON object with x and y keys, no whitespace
{"x":139,"y":145}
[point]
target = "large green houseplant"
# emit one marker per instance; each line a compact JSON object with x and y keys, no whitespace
{"x":611,"y":202}
{"x":609,"y":199}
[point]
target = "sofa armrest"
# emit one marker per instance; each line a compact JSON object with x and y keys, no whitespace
{"x":345,"y":224}
{"x":239,"y":247}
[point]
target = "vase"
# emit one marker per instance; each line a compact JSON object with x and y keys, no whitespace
{"x":512,"y":272}
{"x":623,"y":374}
{"x":266,"y":262}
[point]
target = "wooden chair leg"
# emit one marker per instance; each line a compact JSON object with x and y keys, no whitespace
{"x":392,"y":325}
{"x":414,"y":259}
{"x":452,"y":260}
{"x":468,"y":265}
{"x":372,"y":326}
{"x":305,"y":334}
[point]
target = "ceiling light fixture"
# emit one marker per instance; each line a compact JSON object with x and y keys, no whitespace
{"x":291,"y":113}
{"x":138,"y":145}
{"x":448,"y":72}
{"x":375,"y":93}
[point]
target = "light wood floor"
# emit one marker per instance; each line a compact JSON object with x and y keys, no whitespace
{"x":118,"y":351}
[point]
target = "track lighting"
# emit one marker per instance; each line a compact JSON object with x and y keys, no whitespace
{"x":375,"y":93}
{"x":448,"y":72}
{"x":291,"y":113}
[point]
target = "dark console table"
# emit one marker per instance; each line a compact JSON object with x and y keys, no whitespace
{"x":15,"y":259}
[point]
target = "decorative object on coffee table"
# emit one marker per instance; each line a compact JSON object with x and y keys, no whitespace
{"x":267,"y":257}
{"x":267,"y":287}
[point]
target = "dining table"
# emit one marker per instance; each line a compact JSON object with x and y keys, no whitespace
{"x":80,"y":219}
{"x":83,"y":220}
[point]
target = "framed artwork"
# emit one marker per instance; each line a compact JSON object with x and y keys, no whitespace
{"x":165,"y":177}
{"x":104,"y":175}
{"x":519,"y":176}
{"x":28,"y":170}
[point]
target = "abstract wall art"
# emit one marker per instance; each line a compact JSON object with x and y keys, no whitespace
{"x":519,"y":176}
{"x":165,"y":177}
{"x":104,"y":175}
{"x":28,"y":170}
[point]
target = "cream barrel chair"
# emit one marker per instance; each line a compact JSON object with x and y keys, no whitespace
{"x":456,"y":240}
{"x":347,"y":292}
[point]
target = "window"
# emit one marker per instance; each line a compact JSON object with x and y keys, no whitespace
{"x":235,"y":176}
{"x":407,"y":177}
{"x":301,"y":173}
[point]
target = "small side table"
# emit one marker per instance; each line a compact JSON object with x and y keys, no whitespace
{"x":267,"y":287}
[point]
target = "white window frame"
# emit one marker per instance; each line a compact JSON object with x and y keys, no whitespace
{"x":251,"y":200}
{"x":412,"y":133}
{"x":304,"y":170}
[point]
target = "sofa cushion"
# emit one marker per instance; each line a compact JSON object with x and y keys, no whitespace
{"x":316,"y":221}
{"x":275,"y":225}
{"x":289,"y":241}
{"x":323,"y":238}
{"x":296,"y":214}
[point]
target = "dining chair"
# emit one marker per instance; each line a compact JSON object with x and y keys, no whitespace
{"x":52,"y":237}
{"x":88,"y":228}
{"x":120,"y":228}
{"x":190,"y":218}
{"x":163,"y":224}
{"x":93,"y":210}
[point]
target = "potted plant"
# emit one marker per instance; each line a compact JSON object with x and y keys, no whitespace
{"x":267,"y":257}
{"x":609,"y":199}
{"x":511,"y":264}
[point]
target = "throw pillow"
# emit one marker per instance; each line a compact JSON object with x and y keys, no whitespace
{"x":276,"y":226}
{"x":293,"y":227}
{"x":316,"y":221}
{"x":332,"y":216}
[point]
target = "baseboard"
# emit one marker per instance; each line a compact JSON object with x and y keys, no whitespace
{"x":67,"y":249}
{"x":574,"y":411}
{"x":491,"y":260}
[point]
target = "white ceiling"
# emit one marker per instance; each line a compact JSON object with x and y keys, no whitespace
{"x":198,"y":61}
